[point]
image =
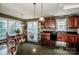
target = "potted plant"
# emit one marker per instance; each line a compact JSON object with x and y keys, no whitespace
{"x":17,"y":31}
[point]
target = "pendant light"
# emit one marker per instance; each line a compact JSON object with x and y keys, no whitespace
{"x":34,"y":9}
{"x":41,"y":18}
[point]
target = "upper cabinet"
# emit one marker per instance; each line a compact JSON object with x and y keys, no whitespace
{"x":48,"y":23}
{"x":76,"y":22}
{"x":73,"y":22}
{"x":70,"y":22}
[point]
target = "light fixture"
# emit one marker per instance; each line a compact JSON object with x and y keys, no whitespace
{"x":41,"y":18}
{"x":34,"y":10}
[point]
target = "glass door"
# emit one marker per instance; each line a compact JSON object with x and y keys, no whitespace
{"x":32,"y":31}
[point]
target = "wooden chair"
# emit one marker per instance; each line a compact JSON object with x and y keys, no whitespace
{"x":11,"y":45}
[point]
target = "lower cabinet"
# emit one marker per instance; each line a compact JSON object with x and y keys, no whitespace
{"x":77,"y":39}
{"x":74,"y":38}
{"x":70,"y":38}
{"x":59,"y":37}
{"x":62,"y":37}
{"x":46,"y":40}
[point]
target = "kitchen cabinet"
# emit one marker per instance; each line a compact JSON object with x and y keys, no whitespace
{"x":73,"y":22}
{"x":48,"y":23}
{"x":73,"y":40}
{"x":70,"y":22}
{"x":69,"y":38}
{"x":59,"y":37}
{"x":62,"y":37}
{"x":46,"y":36}
{"x":77,"y":21}
{"x":65,"y":38}
{"x":46,"y":39}
{"x":77,"y":38}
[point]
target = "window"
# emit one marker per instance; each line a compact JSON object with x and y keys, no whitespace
{"x":3,"y":28}
{"x":32,"y":29}
{"x":18,"y":25}
{"x":13,"y":25}
{"x":61,"y":24}
{"x":8,"y":26}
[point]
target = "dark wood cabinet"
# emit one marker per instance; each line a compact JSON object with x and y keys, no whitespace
{"x":62,"y":37}
{"x":69,"y":38}
{"x":59,"y":37}
{"x":73,"y":22}
{"x":73,"y":40}
{"x":77,"y":22}
{"x":70,"y":22}
{"x":77,"y":39}
{"x":65,"y":38}
{"x":46,"y":39}
{"x":46,"y":36}
{"x":48,"y":23}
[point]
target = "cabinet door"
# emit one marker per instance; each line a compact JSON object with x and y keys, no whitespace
{"x":59,"y":37}
{"x":65,"y":38}
{"x":51,"y":23}
{"x":47,"y":36}
{"x":71,"y":39}
{"x":76,"y":38}
{"x":70,"y":22}
{"x":75,"y":22}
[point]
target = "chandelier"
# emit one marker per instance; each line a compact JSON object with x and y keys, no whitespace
{"x":41,"y":18}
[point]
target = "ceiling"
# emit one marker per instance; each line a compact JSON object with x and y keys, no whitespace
{"x":26,"y":10}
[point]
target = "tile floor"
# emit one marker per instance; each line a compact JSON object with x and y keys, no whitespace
{"x":33,"y":49}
